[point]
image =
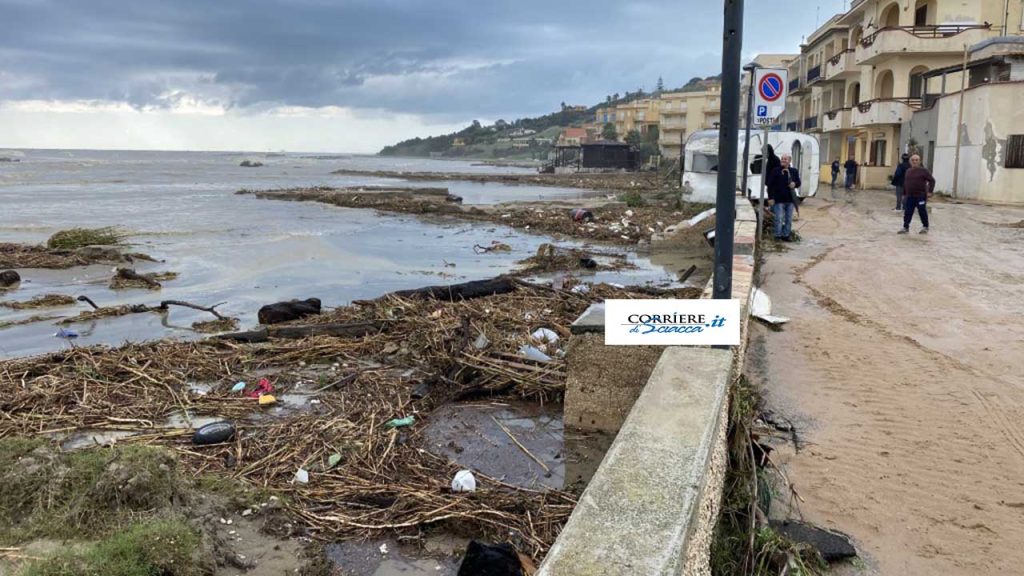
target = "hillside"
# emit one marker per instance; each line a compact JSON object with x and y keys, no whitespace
{"x":522,"y":139}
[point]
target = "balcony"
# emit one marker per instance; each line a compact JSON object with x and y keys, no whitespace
{"x":811,"y":124}
{"x":814,"y":74}
{"x":836,"y":120}
{"x":841,"y":66}
{"x":884,"y":111}
{"x":946,"y":39}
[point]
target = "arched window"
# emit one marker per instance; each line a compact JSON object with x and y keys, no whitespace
{"x":890,"y":16}
{"x":884,"y":85}
{"x":853,"y":94}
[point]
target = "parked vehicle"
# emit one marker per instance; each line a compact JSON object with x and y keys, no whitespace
{"x":700,"y":168}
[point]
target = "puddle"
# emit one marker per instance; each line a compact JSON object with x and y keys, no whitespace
{"x":437,"y":555}
{"x":470,"y":435}
{"x":93,"y":438}
{"x":178,"y":420}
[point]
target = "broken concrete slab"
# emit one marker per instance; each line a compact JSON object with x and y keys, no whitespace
{"x":592,"y":320}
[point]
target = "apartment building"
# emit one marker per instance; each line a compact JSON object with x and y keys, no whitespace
{"x":862,"y":76}
{"x":683,"y":113}
{"x":641,"y":115}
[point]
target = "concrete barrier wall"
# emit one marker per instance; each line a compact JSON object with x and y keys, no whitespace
{"x":652,"y":506}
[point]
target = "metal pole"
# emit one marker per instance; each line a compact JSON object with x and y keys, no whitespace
{"x":959,"y":125}
{"x":762,"y":184}
{"x":732,"y":45}
{"x":746,"y":140}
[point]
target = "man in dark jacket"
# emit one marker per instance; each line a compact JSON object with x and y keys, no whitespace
{"x":782,"y":184}
{"x":851,"y":172}
{"x":918,"y":186}
{"x":897,"y":180}
{"x":835,"y":171}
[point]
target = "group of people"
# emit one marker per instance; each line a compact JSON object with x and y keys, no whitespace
{"x":851,"y":172}
{"x":913,"y":184}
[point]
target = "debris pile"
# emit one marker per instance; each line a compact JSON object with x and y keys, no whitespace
{"x":360,"y":476}
{"x":41,"y":301}
{"x":612,"y":222}
{"x":82,"y":237}
{"x":29,"y":256}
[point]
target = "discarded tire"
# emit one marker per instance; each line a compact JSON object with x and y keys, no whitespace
{"x":214,"y":433}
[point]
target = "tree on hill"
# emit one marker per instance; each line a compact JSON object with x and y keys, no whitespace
{"x":608,"y":132}
{"x":660,"y":87}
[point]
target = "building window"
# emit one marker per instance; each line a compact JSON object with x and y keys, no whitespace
{"x":878,"y":153}
{"x":1014,"y":151}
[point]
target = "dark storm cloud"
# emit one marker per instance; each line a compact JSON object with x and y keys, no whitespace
{"x":479,"y":57}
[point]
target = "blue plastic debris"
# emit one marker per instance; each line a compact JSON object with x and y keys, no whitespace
{"x":238,"y":387}
{"x":67,"y":334}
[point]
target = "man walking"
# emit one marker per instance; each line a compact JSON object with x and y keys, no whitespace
{"x":782,"y":184}
{"x":851,"y":172}
{"x":835,"y":171}
{"x":918,"y":186}
{"x":897,"y":180}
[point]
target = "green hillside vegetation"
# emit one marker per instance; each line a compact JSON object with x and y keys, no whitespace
{"x":493,"y":141}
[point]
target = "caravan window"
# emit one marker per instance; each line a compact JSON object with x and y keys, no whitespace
{"x":703,"y":162}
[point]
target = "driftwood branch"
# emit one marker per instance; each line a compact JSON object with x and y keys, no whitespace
{"x":684,"y":275}
{"x":464,"y":291}
{"x":88,"y":301}
{"x":349,"y":330}
{"x":210,"y":309}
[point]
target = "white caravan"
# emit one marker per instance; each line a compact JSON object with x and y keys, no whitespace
{"x":700,"y":168}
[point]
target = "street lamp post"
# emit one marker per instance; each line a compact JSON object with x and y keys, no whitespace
{"x":732,"y":45}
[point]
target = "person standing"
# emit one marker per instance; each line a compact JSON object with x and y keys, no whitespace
{"x":782,"y":184}
{"x":835,"y":171}
{"x":918,"y":186}
{"x":897,"y":180}
{"x":851,"y":172}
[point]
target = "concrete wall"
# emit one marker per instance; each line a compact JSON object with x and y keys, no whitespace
{"x":991,"y":113}
{"x":652,"y":506}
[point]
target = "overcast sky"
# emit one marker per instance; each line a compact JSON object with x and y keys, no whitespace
{"x":343,"y":75}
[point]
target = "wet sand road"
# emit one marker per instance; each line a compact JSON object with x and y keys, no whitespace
{"x":904,"y":368}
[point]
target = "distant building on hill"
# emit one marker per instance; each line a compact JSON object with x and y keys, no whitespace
{"x":573,"y":137}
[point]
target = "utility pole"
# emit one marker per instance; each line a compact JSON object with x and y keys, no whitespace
{"x":732,"y":45}
{"x":746,"y":121}
{"x":959,"y":124}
